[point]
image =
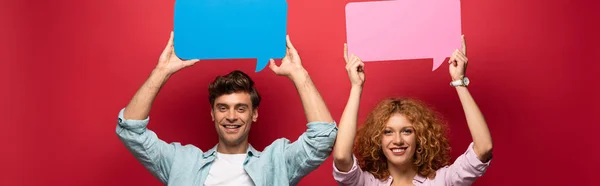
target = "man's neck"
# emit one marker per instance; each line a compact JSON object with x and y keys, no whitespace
{"x":228,"y":149}
{"x":402,"y":174}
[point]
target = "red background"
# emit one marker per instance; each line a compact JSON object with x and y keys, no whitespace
{"x":71,"y":65}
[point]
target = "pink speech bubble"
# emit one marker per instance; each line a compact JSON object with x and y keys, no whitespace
{"x":403,"y":29}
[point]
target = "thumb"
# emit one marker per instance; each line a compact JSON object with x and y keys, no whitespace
{"x":272,"y":65}
{"x":169,"y":48}
{"x":190,"y":62}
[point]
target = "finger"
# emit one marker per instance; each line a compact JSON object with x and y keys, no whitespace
{"x":353,"y":58}
{"x":355,"y":62}
{"x":293,"y":53}
{"x":464,"y":45}
{"x":169,"y":48}
{"x":352,"y":66}
{"x":289,"y":42}
{"x":459,"y":60}
{"x":459,"y":53}
{"x":272,"y":65}
{"x":356,"y":68}
{"x":460,"y":56}
{"x":346,"y":52}
{"x":361,"y":67}
{"x":452,"y":58}
{"x":349,"y":61}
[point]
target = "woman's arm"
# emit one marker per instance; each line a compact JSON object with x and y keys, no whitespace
{"x":480,"y":133}
{"x":342,"y":157}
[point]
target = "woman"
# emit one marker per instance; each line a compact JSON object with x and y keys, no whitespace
{"x":402,"y":142}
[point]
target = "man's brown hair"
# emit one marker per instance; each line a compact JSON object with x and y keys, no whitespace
{"x":234,"y":82}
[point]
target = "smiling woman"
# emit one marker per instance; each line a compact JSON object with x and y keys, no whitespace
{"x":392,"y":130}
{"x":403,"y":142}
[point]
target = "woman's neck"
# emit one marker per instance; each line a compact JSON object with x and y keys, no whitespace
{"x":402,"y":174}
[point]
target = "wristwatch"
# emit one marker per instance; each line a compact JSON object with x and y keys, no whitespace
{"x":460,"y":82}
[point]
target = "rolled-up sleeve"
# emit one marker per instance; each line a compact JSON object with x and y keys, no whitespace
{"x":155,"y":154}
{"x":354,"y":176}
{"x":466,"y":169}
{"x":311,"y":149}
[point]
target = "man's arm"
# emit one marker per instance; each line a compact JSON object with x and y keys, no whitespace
{"x":139,"y":106}
{"x":314,"y":106}
{"x":155,"y":154}
{"x":168,"y":63}
{"x":314,"y":146}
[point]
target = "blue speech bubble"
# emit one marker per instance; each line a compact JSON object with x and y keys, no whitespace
{"x":230,"y":29}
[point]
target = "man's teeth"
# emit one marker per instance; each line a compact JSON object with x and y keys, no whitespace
{"x":232,"y":126}
{"x":398,"y":150}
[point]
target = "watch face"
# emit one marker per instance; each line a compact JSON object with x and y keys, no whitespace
{"x":466,"y":80}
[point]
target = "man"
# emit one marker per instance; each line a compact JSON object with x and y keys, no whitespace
{"x":234,"y":102}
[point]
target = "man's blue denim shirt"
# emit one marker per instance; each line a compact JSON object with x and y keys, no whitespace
{"x":281,"y":163}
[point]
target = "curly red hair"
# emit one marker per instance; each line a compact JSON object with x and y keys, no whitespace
{"x":433,"y":148}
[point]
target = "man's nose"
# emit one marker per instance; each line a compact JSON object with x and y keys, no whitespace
{"x":231,"y":117}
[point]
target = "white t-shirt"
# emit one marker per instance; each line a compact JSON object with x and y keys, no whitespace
{"x":228,"y":169}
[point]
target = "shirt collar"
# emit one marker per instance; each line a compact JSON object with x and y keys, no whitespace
{"x":250,"y":151}
{"x":418,"y":178}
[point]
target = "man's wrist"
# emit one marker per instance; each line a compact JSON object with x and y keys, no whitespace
{"x":161,"y":72}
{"x":299,"y":77}
{"x":157,"y":79}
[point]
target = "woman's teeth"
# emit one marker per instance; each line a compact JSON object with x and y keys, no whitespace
{"x":398,"y":150}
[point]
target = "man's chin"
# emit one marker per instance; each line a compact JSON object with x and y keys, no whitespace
{"x":232,"y":141}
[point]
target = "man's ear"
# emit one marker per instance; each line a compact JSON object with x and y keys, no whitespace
{"x":212,"y":114}
{"x":254,"y":114}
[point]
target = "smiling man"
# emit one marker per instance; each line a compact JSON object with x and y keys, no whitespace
{"x":234,"y":101}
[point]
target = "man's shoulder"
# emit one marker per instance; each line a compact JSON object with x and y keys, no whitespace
{"x":186,"y":149}
{"x":278,"y":145}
